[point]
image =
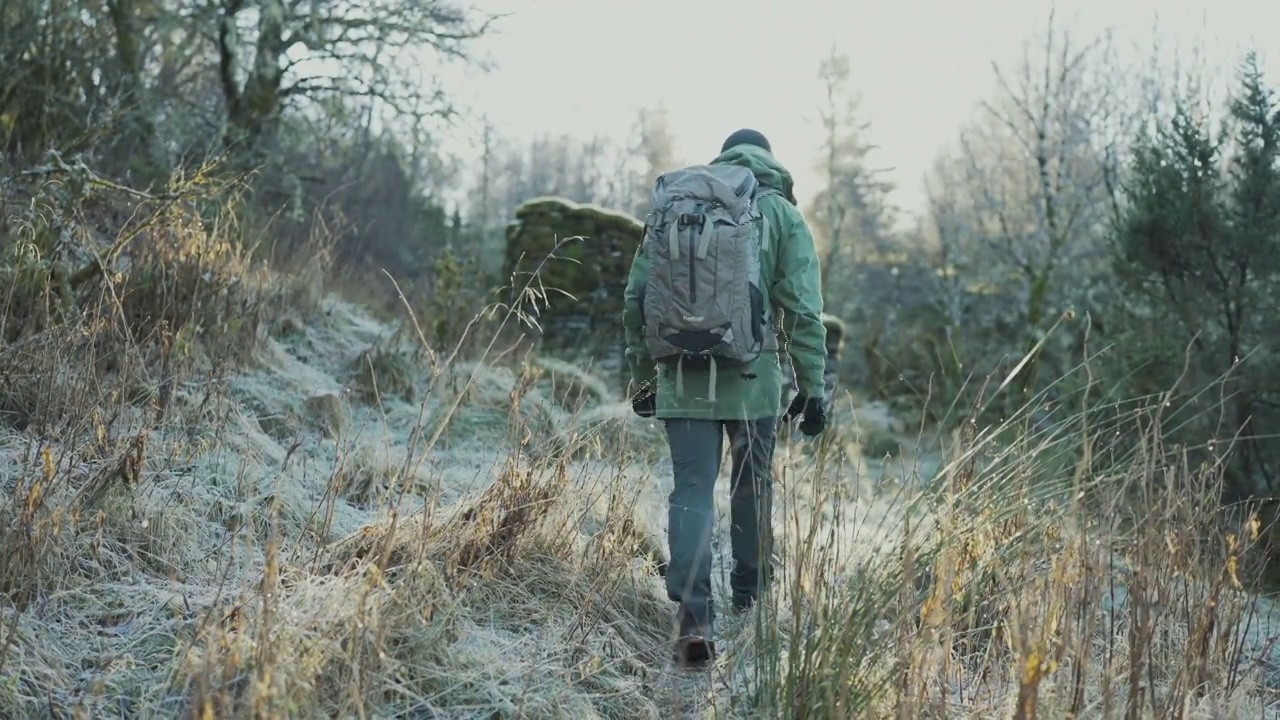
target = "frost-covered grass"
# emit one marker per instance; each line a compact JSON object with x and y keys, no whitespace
{"x":344,"y":523}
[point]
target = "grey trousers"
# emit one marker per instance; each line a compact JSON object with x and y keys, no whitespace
{"x":696,"y":449}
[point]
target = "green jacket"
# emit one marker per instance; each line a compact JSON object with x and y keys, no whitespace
{"x":791,"y":279}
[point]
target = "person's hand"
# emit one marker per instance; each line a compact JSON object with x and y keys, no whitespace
{"x":645,"y":404}
{"x":812,"y":413}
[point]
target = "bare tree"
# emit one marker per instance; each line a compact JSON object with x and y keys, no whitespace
{"x":851,"y":210}
{"x":273,"y":51}
{"x":948,"y":232}
{"x":653,"y":147}
{"x":594,"y":170}
{"x":482,"y":212}
{"x":1040,"y":168}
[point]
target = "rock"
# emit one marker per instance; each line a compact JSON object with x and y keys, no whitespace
{"x":288,"y":326}
{"x":592,"y":268}
{"x":325,"y":410}
{"x":277,"y":426}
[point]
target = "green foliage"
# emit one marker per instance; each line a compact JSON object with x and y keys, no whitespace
{"x":459,"y":294}
{"x":1198,"y":255}
{"x":54,"y":93}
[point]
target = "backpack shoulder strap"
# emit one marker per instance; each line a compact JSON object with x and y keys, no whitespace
{"x":764,"y":191}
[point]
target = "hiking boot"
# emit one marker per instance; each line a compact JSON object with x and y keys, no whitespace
{"x":694,"y":651}
{"x":748,"y":584}
{"x":694,"y":647}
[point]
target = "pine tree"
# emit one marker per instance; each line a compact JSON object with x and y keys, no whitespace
{"x":1198,"y":252}
{"x":850,"y":214}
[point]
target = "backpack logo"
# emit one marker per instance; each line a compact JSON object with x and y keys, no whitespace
{"x":690,"y":318}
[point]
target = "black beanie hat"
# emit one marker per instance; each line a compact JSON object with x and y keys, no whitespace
{"x":746,"y":137}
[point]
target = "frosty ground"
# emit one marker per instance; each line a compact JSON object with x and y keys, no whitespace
{"x":302,"y":537}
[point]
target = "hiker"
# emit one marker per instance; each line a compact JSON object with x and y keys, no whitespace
{"x":725,"y":276}
{"x":834,"y":344}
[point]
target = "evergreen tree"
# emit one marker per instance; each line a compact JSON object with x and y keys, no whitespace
{"x":1198,"y":254}
{"x":850,"y":214}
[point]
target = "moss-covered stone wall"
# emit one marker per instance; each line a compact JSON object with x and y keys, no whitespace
{"x":596,"y":246}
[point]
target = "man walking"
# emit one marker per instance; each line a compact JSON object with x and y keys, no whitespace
{"x":726,"y":272}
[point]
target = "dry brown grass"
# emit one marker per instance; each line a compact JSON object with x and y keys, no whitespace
{"x":479,"y":539}
{"x":1079,"y":570}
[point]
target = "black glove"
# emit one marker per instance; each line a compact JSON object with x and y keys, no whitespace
{"x":811,"y":410}
{"x":645,"y":405}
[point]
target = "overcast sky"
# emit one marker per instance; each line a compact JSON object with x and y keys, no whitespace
{"x":582,"y":66}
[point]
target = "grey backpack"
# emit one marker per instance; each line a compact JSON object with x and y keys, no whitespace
{"x":703,"y":305}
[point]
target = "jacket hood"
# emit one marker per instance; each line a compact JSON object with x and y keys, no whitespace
{"x":768,"y":171}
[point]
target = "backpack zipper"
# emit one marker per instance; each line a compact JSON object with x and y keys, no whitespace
{"x":696,"y":230}
{"x":693,"y":281}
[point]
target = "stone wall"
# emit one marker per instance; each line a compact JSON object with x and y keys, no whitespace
{"x":585,"y":251}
